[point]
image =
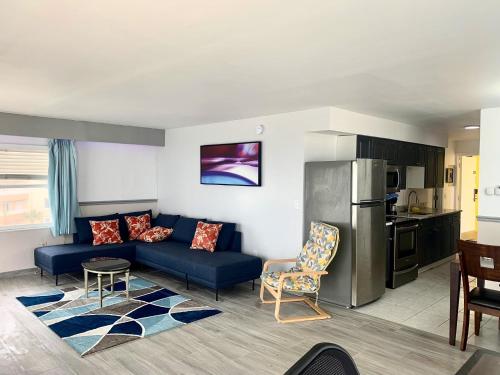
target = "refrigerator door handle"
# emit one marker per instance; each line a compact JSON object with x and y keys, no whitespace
{"x":369,"y":203}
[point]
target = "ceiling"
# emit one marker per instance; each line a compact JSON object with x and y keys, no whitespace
{"x":179,"y":63}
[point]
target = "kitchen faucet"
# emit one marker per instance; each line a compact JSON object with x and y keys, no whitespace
{"x":409,"y":198}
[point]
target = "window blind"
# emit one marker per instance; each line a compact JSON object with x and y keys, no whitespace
{"x":24,"y":162}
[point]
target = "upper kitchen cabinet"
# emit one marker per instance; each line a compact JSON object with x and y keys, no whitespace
{"x":363,"y":150}
{"x":405,"y":154}
{"x":430,"y":167}
{"x":439,"y":167}
{"x":412,"y":154}
{"x":378,"y":148}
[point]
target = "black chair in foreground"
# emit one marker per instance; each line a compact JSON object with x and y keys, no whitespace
{"x":324,"y":359}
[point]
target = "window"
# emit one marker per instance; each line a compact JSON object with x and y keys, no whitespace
{"x":23,"y":186}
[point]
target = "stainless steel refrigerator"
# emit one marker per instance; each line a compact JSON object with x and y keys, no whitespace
{"x":350,"y":195}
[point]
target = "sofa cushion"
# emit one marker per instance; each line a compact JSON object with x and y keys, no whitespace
{"x":216,"y":269}
{"x":205,"y":236}
{"x":165,"y":220}
{"x":184,"y":229}
{"x":123,"y":222}
{"x":84,"y":231}
{"x":137,"y":225}
{"x":155,"y":234}
{"x":59,"y":259}
{"x":105,"y":232}
{"x":225,"y":235}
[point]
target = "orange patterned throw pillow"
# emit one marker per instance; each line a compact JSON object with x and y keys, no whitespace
{"x":155,"y":234}
{"x":137,"y":225}
{"x":105,"y":232}
{"x":206,"y":236}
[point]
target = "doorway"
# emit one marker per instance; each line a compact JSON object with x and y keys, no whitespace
{"x":469,"y":184}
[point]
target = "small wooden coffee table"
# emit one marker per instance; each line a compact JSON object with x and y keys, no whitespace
{"x":105,"y":266}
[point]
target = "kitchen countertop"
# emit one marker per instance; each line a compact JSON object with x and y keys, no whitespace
{"x":427,"y":213}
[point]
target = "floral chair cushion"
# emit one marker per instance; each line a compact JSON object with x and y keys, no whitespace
{"x":319,"y":249}
{"x":316,"y":255}
{"x":305,"y":284}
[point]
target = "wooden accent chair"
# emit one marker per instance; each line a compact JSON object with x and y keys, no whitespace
{"x":304,"y":277}
{"x":482,"y":262}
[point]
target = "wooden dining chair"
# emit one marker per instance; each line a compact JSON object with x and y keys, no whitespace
{"x":304,"y":277}
{"x":482,"y":262}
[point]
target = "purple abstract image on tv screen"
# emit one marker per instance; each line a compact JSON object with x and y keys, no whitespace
{"x":231,"y":164}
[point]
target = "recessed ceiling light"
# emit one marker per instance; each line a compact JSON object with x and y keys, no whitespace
{"x":471,"y":127}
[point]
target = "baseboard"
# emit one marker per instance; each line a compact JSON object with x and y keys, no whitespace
{"x":436,"y":264}
{"x":23,"y":272}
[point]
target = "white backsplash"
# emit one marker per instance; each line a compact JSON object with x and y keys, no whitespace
{"x":424,"y":197}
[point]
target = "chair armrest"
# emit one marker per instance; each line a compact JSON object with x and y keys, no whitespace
{"x":277,"y":261}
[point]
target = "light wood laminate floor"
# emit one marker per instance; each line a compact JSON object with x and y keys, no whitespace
{"x":245,"y":339}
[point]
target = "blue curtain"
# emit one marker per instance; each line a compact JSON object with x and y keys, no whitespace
{"x":62,"y":186}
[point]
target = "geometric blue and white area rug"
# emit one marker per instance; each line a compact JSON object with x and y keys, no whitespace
{"x":87,"y":328}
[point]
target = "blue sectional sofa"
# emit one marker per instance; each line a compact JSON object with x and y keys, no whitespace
{"x":223,"y":268}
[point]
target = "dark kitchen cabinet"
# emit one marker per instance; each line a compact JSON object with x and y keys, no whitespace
{"x":393,"y":152}
{"x":439,"y":167}
{"x":430,"y":167}
{"x":454,"y":232}
{"x":425,"y":242}
{"x":405,"y":153}
{"x":412,"y":154}
{"x":378,"y":148}
{"x":363,"y":147}
{"x":419,"y":156}
{"x":444,"y":230}
{"x":437,"y":238}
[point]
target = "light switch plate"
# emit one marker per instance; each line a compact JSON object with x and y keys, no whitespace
{"x":489,"y":191}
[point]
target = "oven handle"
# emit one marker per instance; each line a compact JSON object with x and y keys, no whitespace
{"x":406,"y":270}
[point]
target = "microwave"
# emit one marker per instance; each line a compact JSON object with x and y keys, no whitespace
{"x":395,"y":178}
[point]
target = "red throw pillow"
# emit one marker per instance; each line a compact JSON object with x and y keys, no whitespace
{"x":105,"y":232}
{"x":206,"y":236}
{"x":155,"y":234}
{"x":137,"y":224}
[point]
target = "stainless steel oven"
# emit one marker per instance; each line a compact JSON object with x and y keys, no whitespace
{"x":403,"y":254}
{"x":394,"y":178}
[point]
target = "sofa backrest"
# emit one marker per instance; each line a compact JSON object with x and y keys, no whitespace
{"x":230,"y":240}
{"x":235,"y":243}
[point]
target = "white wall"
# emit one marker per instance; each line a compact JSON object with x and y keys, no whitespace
{"x":319,"y":146}
{"x":17,"y":247}
{"x":489,"y":175}
{"x":111,"y":171}
{"x":467,"y":147}
{"x":424,"y":197}
{"x":270,"y":216}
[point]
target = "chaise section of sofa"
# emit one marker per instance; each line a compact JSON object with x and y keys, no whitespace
{"x":216,"y":270}
{"x":68,"y":258}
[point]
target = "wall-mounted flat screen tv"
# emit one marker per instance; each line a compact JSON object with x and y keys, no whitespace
{"x":231,"y":164}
